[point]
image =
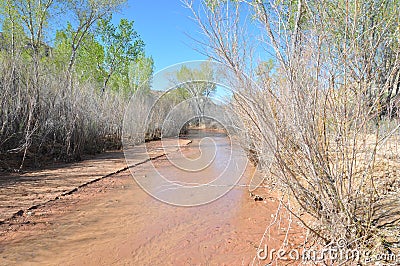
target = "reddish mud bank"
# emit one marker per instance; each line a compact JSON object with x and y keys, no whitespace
{"x":113,"y":221}
{"x":20,"y":192}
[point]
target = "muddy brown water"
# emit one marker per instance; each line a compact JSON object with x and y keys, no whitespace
{"x":115,"y":222}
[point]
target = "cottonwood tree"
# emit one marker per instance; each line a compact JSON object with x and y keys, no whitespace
{"x":89,"y":59}
{"x":13,"y":36}
{"x":111,"y":56}
{"x":86,"y":13}
{"x":122,"y":46}
{"x":196,"y":84}
{"x":33,"y":16}
{"x":140,"y":72}
{"x":40,"y":117}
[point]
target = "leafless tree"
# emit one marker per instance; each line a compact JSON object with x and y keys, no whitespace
{"x":319,"y":115}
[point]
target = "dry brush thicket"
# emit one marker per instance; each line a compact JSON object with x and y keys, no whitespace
{"x":51,"y":120}
{"x":64,"y":88}
{"x":324,"y":121}
{"x":45,"y":120}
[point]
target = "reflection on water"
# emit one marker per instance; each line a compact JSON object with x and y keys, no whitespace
{"x":209,"y":170}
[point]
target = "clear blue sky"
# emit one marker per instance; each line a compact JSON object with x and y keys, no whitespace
{"x":162,"y":26}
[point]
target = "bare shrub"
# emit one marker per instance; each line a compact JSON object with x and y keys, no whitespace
{"x":326,"y":115}
{"x":51,"y":122}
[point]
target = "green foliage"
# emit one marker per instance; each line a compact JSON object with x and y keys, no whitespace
{"x":265,"y":67}
{"x":35,"y":16}
{"x":90,"y":47}
{"x":194,"y":83}
{"x":13,"y":35}
{"x":200,"y":78}
{"x":122,"y":47}
{"x":89,"y":57}
{"x":62,"y":50}
{"x":111,"y":57}
{"x":140,"y":72}
{"x":51,"y":103}
{"x":292,"y":12}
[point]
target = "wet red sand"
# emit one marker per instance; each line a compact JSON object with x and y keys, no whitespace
{"x":114,"y":222}
{"x":19,"y":192}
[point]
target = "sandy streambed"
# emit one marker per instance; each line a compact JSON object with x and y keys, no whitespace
{"x":113,"y":221}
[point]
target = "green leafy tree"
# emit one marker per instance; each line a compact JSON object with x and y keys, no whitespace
{"x":123,"y":46}
{"x":140,"y":72}
{"x":12,"y":36}
{"x":88,"y":59}
{"x":91,"y":57}
{"x":35,"y":16}
{"x":200,"y":78}
{"x":86,"y":14}
{"x":195,"y":83}
{"x":12,"y":31}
